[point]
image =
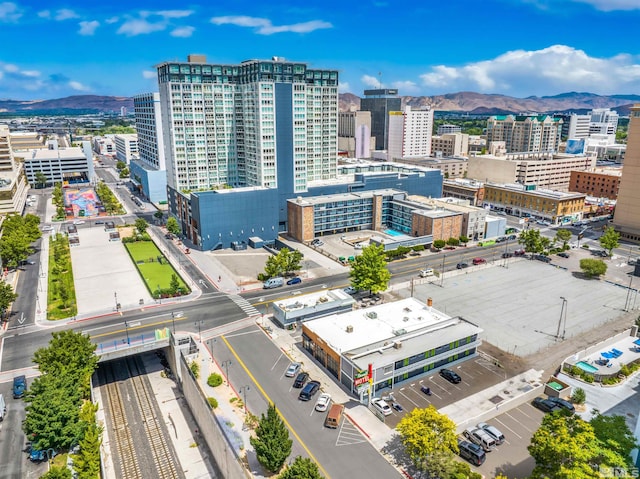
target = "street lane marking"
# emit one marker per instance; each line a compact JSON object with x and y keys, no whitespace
{"x":284,"y":419}
{"x":242,"y":334}
{"x":349,"y":435}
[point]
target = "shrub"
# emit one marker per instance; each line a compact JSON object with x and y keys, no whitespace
{"x":194,"y":366}
{"x":579,"y":396}
{"x":213,"y":402}
{"x":587,"y":378}
{"x":575,"y":371}
{"x":418,"y":247}
{"x":214,"y":380}
{"x":610,"y":381}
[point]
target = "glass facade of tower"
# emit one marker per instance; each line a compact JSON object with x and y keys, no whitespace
{"x":380,"y":103}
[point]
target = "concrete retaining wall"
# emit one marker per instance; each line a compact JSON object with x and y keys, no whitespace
{"x":228,"y":464}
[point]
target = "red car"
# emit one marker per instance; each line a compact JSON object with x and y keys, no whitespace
{"x":479,"y":260}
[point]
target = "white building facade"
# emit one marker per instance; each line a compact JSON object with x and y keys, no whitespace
{"x":410,"y":133}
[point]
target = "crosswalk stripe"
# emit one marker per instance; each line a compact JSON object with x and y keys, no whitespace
{"x":244,"y":305}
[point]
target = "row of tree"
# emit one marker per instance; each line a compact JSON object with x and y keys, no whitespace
{"x":59,"y":413}
{"x":122,"y":168}
{"x":108,"y":199}
{"x":18,"y":232}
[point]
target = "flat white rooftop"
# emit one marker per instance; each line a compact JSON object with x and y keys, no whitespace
{"x":311,"y":299}
{"x":63,"y":153}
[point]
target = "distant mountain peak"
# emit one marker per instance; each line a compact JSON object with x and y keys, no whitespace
{"x":70,"y":104}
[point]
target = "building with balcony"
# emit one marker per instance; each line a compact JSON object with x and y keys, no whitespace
{"x":377,"y":348}
{"x":13,"y":183}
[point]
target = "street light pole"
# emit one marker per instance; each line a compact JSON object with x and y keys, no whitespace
{"x":244,"y":395}
{"x":173,"y":320}
{"x":226,"y":364}
{"x":126,"y":328}
{"x":115,"y":295}
{"x":159,"y":295}
{"x":444,"y":256}
{"x":198,"y":323}
{"x":562,"y":310}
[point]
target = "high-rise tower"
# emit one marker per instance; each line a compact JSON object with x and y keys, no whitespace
{"x":380,"y":103}
{"x":627,"y":215}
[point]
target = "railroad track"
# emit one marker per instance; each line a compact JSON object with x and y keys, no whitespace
{"x":162,"y":454}
{"x":129,"y":466}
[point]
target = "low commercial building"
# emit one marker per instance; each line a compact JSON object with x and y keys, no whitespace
{"x":311,"y":306}
{"x":450,"y":166}
{"x":473,"y":217}
{"x":369,"y":350}
{"x":470,"y":190}
{"x":452,"y":144}
{"x":557,"y":207}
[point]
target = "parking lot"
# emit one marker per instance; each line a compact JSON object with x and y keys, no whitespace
{"x":477,"y":374}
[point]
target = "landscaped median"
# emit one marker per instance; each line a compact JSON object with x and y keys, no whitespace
{"x":155,"y":270}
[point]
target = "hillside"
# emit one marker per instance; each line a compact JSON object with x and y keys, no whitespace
{"x":484,"y":104}
{"x":71,"y":104}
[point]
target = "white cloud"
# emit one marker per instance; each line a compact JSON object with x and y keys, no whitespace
{"x":149,"y":74}
{"x":263,"y":26}
{"x":44,"y":14}
{"x":343,"y":87}
{"x":139,"y":26}
{"x":88,"y":28}
{"x":30,"y":73}
{"x":65,"y":14}
{"x":8,"y":67}
{"x":554,"y":69}
{"x":77,"y":86}
{"x":173,"y":13}
{"x":15,"y":71}
{"x":406,"y":87}
{"x":111,"y":20}
{"x":9,"y":12}
{"x":371,"y":82}
{"x":182,"y":32}
{"x":612,"y":5}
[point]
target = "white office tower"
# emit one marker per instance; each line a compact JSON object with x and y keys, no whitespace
{"x":149,"y":130}
{"x":269,"y":123}
{"x":603,"y":122}
{"x":410,"y":133}
{"x":579,"y":126}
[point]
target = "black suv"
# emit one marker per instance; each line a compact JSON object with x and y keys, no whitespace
{"x":450,"y":376}
{"x":309,"y":390}
{"x":471,"y":452}
{"x":562,"y":404}
{"x":462,"y":265}
{"x":545,"y":405}
{"x":300,"y":380}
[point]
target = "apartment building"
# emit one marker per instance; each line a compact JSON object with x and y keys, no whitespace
{"x":149,"y":170}
{"x":13,"y":183}
{"x":380,"y":102}
{"x":126,"y":146}
{"x":525,"y":133}
{"x":558,"y":207}
{"x":465,"y":189}
{"x":600,"y":183}
{"x":410,"y":133}
{"x":543,"y":169}
{"x":627,"y":214}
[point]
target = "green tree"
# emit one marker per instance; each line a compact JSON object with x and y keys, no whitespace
{"x":271,"y":441}
{"x":609,"y":240}
{"x":7,"y":296}
{"x":124,"y":173}
{"x":52,"y":412}
{"x":141,"y":225}
{"x":369,"y":270}
{"x":302,"y":468}
{"x":593,"y":267}
{"x":172,"y":226}
{"x":566,"y":447}
{"x":120,"y":165}
{"x":453,"y":241}
{"x":87,"y":461}
{"x":464,"y":239}
{"x":428,"y":436}
{"x":57,"y":472}
{"x":439,"y":244}
{"x":531,"y":240}
{"x":563,"y":235}
{"x":614,"y":434}
{"x":273,"y":267}
{"x":174,"y":285}
{"x":293,"y":261}
{"x":579,"y":396}
{"x":158,"y":215}
{"x":41,"y":179}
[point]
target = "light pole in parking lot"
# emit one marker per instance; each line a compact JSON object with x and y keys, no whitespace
{"x":244,"y":390}
{"x":563,"y":319}
{"x":444,"y":257}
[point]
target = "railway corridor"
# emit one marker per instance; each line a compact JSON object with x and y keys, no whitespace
{"x":135,"y":423}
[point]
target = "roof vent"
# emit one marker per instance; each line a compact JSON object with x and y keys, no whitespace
{"x":349,"y":329}
{"x":372,"y":315}
{"x":405,"y":319}
{"x":397,"y":344}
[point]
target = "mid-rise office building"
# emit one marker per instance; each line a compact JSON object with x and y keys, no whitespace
{"x":450,"y":144}
{"x":354,"y":133}
{"x":543,"y":169}
{"x":579,"y":126}
{"x":410,"y":133}
{"x":149,"y":171}
{"x":61,"y":165}
{"x":473,"y":218}
{"x":601,"y":183}
{"x":126,"y":146}
{"x":627,"y":214}
{"x":104,"y":145}
{"x":603,"y":122}
{"x":380,"y":103}
{"x":525,"y":133}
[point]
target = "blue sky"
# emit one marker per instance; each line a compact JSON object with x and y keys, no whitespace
{"x":52,"y":49}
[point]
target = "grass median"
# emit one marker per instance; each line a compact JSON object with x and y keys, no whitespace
{"x":161,"y":278}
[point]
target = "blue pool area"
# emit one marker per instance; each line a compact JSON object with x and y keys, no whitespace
{"x":393,"y":233}
{"x":586,"y":367}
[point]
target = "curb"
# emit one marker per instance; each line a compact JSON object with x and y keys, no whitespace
{"x":358,"y":426}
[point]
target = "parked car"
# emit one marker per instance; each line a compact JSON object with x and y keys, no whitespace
{"x":381,"y":406}
{"x":19,"y":386}
{"x":309,"y":390}
{"x":563,"y":254}
{"x":480,"y":437}
{"x":563,"y":404}
{"x":479,"y":261}
{"x":300,"y":380}
{"x":292,"y":370}
{"x":350,"y":290}
{"x":492,"y":431}
{"x":462,"y":265}
{"x":47,"y":228}
{"x":507,"y":255}
{"x":296,"y":280}
{"x":512,"y":237}
{"x":519,"y":252}
{"x":544,"y":404}
{"x":322,"y":404}
{"x":542,"y":257}
{"x":425,"y":273}
{"x":317,"y":242}
{"x":78,"y":222}
{"x":450,"y":376}
{"x":471,"y":452}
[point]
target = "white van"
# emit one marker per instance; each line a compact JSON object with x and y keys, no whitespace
{"x":3,"y":407}
{"x":481,"y":438}
{"x":273,"y":283}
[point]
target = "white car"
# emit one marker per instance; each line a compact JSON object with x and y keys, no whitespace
{"x":47,"y":228}
{"x":426,"y":273}
{"x":323,"y":402}
{"x":78,"y":222}
{"x":381,"y":406}
{"x":292,"y":370}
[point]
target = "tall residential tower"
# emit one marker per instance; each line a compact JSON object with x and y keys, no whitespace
{"x":627,"y":215}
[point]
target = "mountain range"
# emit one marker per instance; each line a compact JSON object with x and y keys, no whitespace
{"x":461,"y":102}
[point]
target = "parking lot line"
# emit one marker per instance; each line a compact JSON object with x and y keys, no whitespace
{"x":434,"y":385}
{"x":277,"y":361}
{"x":515,"y":433}
{"x":410,"y":400}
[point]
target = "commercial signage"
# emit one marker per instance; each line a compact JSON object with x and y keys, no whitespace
{"x":363,"y":377}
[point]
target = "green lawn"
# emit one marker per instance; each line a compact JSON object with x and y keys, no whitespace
{"x":156,"y":275}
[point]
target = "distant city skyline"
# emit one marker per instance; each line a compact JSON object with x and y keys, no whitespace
{"x":517,"y":48}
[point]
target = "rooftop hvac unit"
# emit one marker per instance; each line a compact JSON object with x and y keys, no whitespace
{"x":397,"y":344}
{"x":349,"y":329}
{"x":372,"y":315}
